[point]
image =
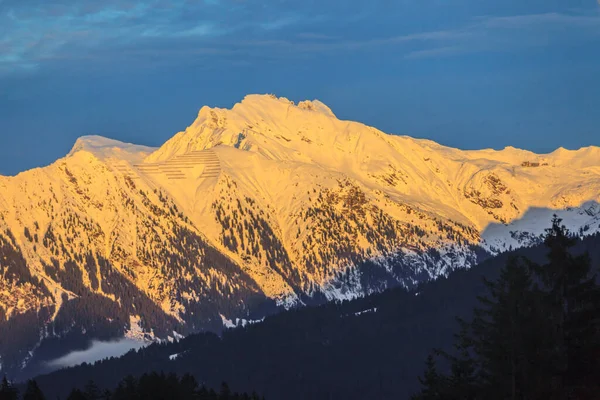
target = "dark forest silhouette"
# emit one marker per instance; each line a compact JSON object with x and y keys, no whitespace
{"x":535,"y":335}
{"x":152,"y":386}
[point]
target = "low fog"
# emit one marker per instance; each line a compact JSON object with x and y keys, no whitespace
{"x":97,"y":351}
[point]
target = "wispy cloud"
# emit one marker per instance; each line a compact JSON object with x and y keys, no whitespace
{"x":437,"y":52}
{"x":510,"y":33}
{"x":316,"y":36}
{"x":35,"y":33}
{"x":532,"y":21}
{"x":482,"y":34}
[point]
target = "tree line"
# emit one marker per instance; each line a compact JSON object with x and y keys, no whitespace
{"x":152,"y":386}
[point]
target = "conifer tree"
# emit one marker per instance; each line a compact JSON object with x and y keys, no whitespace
{"x":106,"y":395}
{"x":212,"y":395}
{"x":571,"y":298}
{"x":255,"y":396}
{"x":127,"y":389}
{"x":7,"y":390}
{"x":507,"y":333}
{"x":225,"y":393}
{"x":76,"y":394}
{"x":461,"y":383}
{"x":432,"y":381}
{"x":92,"y":391}
{"x":188,"y":387}
{"x":33,"y":391}
{"x":203,"y":393}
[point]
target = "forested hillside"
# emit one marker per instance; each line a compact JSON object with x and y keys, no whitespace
{"x":373,"y":347}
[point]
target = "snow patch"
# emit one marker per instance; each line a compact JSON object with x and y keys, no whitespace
{"x":370,"y":310}
{"x":227,"y":323}
{"x":136,"y":332}
{"x":239,"y":322}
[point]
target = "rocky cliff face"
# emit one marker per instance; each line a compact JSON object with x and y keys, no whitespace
{"x":269,"y":204}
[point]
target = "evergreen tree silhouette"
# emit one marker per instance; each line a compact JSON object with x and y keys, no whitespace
{"x":461,"y":383}
{"x":76,"y":394}
{"x":33,"y":391}
{"x":188,"y":387}
{"x":507,"y":334}
{"x":91,"y":391}
{"x":571,"y":297}
{"x":106,"y":395}
{"x":433,"y":382}
{"x":127,"y":389}
{"x":7,"y":390}
{"x":225,"y":393}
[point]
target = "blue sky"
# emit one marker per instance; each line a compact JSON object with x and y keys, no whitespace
{"x":465,"y":73}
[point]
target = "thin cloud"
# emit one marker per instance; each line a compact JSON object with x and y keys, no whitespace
{"x":436,"y":52}
{"x":512,"y":33}
{"x":34,"y":33}
{"x":318,"y":36}
{"x":280,"y":23}
{"x":545,"y":19}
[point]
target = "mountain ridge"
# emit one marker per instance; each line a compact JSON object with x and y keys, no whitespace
{"x":265,"y":206}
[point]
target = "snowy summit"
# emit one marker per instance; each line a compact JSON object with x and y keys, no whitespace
{"x":266,"y":202}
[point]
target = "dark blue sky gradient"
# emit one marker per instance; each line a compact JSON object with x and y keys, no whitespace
{"x":465,"y":73}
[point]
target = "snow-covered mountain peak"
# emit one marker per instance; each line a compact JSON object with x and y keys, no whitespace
{"x":468,"y":186}
{"x":267,"y":201}
{"x":104,"y":148}
{"x":309,"y":130}
{"x":270,"y":103}
{"x":316,"y":105}
{"x":248,"y":123}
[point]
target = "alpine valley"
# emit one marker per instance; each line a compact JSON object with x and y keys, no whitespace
{"x":267,"y":206}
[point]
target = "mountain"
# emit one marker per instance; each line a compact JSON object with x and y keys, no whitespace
{"x":267,"y":206}
{"x":367,"y":348}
